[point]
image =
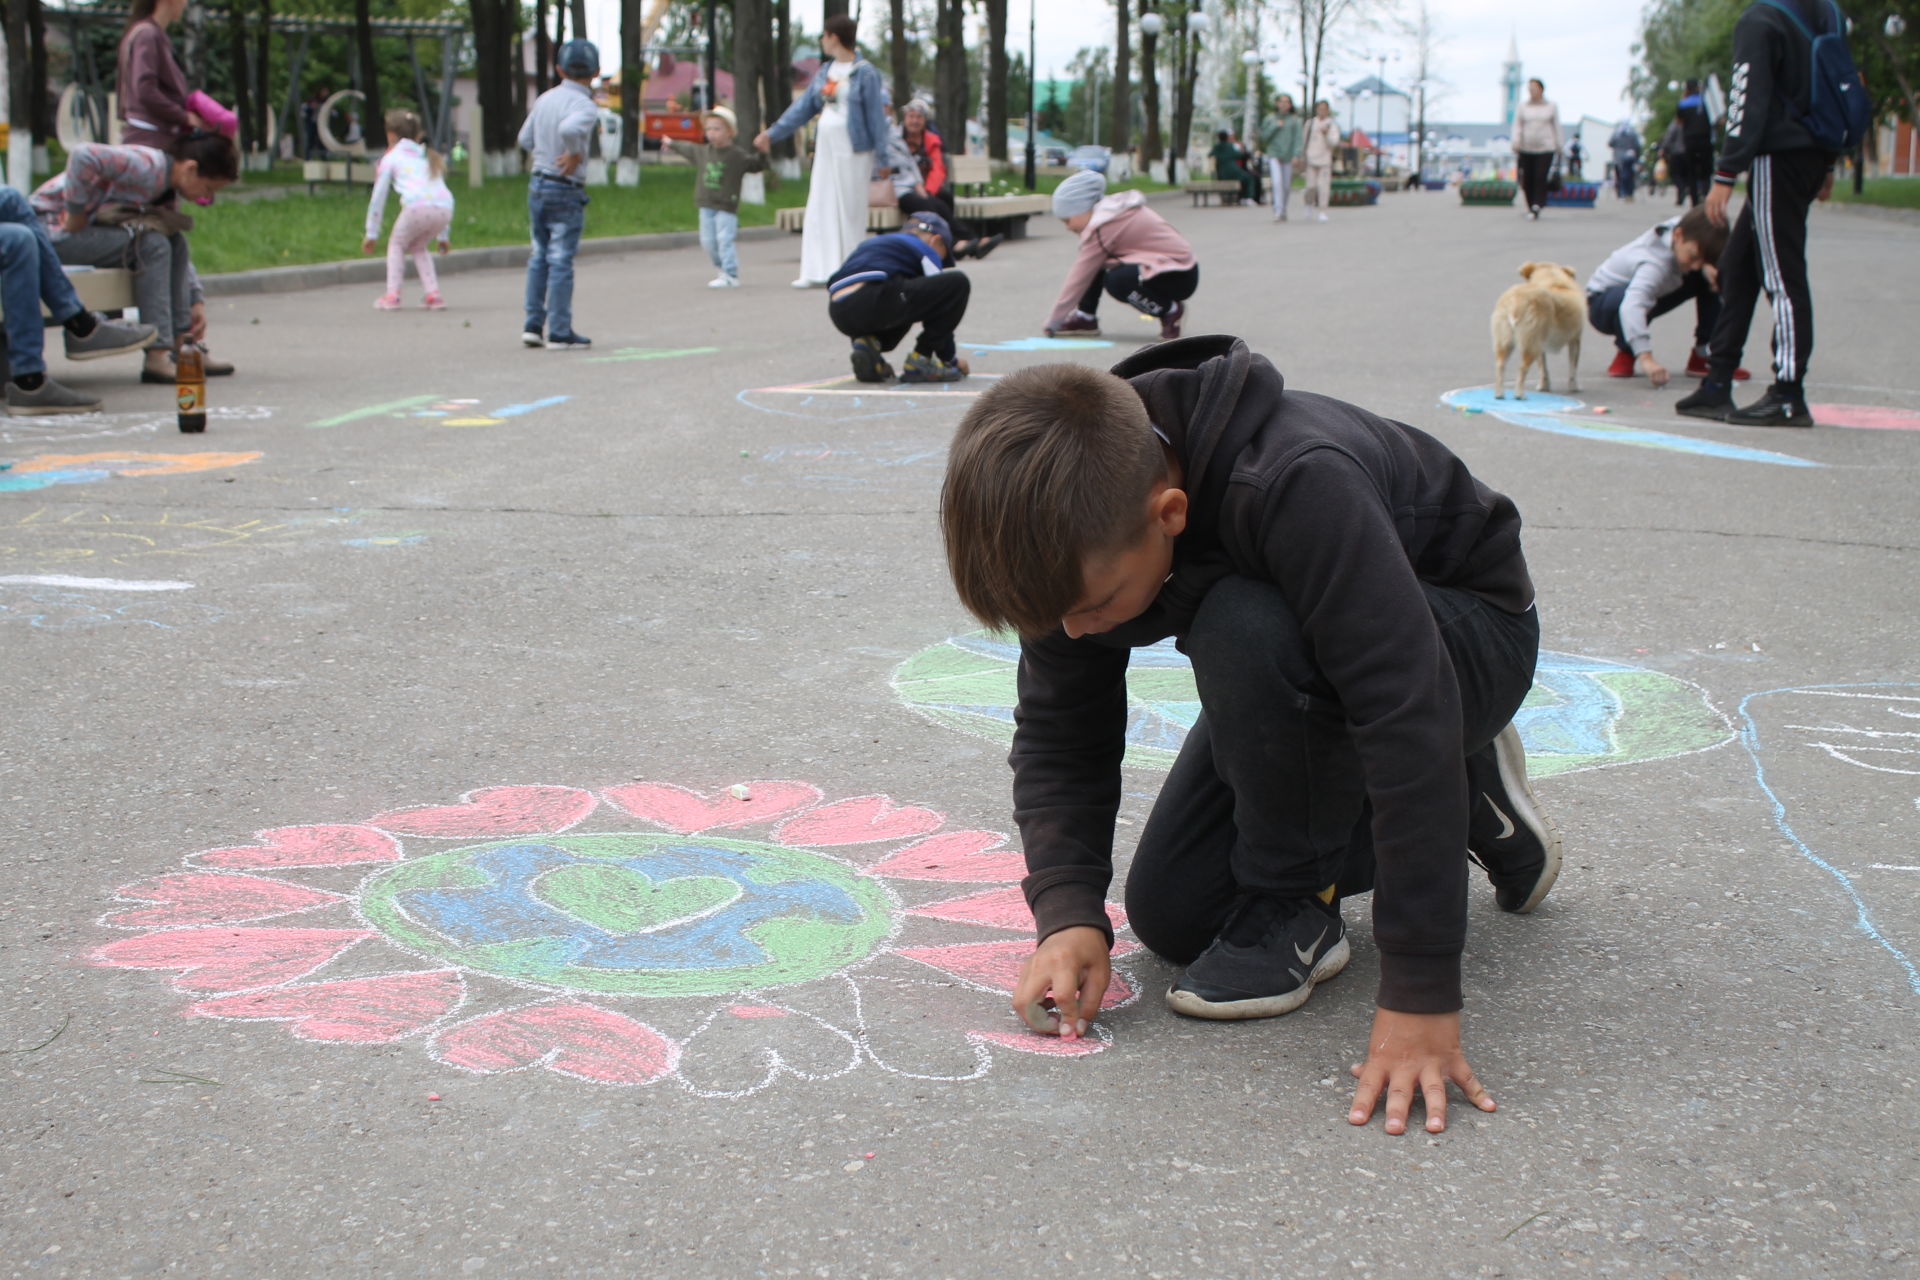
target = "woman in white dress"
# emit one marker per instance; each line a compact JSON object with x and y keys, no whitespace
{"x":846,"y":95}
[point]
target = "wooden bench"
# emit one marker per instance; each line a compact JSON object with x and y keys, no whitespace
{"x":357,"y":171}
{"x":884,"y":218}
{"x":1003,"y":215}
{"x":1226,"y":188}
{"x":108,"y":289}
{"x":969,"y":171}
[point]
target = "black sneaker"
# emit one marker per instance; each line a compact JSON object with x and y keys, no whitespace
{"x":986,"y":245}
{"x":533,"y":336}
{"x":1265,"y":961}
{"x":1507,"y":836}
{"x":869,"y":362}
{"x":1777,"y":408}
{"x":1710,"y":400}
{"x":568,"y":342}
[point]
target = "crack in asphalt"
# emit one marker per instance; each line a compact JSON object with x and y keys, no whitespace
{"x":1724,"y":533}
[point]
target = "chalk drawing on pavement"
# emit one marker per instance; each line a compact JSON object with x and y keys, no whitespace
{"x":57,"y":428}
{"x":1871,"y":417}
{"x":1565,"y":416}
{"x":623,"y":354}
{"x":92,"y":540}
{"x":858,"y":465}
{"x":441,"y":411}
{"x":49,"y":469}
{"x":846,"y":399}
{"x":1840,"y":766}
{"x":1040,"y":344}
{"x":644,"y":932}
{"x":1583,"y":713}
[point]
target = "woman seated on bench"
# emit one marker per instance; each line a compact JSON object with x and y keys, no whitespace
{"x":116,"y":207}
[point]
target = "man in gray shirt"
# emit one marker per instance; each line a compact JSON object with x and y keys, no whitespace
{"x":558,"y":131}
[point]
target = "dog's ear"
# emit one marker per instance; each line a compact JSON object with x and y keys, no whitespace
{"x":1527,"y":269}
{"x":1569,"y":270}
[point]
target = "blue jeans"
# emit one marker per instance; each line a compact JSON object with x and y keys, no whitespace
{"x":717,"y":231}
{"x":1603,"y":309}
{"x":558,"y":214}
{"x":29,"y":275}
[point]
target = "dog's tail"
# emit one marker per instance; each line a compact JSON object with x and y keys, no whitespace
{"x":1502,"y":326}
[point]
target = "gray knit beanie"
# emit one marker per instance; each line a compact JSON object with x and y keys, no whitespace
{"x":1079,"y":193}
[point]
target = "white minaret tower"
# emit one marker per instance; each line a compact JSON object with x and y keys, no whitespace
{"x":1510,"y":81}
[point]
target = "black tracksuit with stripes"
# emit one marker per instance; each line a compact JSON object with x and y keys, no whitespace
{"x":1786,"y":169}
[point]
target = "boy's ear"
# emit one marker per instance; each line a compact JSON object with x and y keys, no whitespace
{"x":1167,"y":510}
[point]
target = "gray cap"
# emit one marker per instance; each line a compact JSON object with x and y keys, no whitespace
{"x":1078,"y":193}
{"x":579,"y":58}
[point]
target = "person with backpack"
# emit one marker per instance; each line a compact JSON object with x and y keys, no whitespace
{"x":1695,"y":124}
{"x":1796,"y":104}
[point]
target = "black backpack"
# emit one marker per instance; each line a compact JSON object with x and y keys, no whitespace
{"x":1838,"y":113}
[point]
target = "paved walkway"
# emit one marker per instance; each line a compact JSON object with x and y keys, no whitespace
{"x":484,"y":811}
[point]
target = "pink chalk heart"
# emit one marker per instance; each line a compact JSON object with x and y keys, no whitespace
{"x":970,"y":857}
{"x":678,"y":809}
{"x":494,"y":811}
{"x":207,"y":897}
{"x":996,"y":965}
{"x":1033,"y":1042}
{"x":998,"y":909}
{"x":230,"y":959}
{"x":317,"y":845}
{"x":860,"y":820}
{"x":355,"y":1011}
{"x":579,"y":1040}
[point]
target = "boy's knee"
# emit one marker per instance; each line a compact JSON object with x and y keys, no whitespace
{"x":1245,"y":634}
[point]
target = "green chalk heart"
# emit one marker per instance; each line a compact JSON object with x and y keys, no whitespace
{"x":623,"y":901}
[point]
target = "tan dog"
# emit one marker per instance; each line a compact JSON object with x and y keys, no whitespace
{"x":1538,"y":317}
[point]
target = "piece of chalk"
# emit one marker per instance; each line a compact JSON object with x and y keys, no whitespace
{"x":1600,"y":408}
{"x":1042,"y":1019}
{"x":433,"y":1097}
{"x":738,"y":791}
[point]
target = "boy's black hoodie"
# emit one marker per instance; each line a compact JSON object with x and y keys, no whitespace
{"x":1772,"y":87}
{"x":1347,"y":513}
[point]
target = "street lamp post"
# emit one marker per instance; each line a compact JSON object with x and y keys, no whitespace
{"x":1032,"y":7}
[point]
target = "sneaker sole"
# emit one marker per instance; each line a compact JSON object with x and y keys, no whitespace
{"x":46,"y":410}
{"x":1708,"y":413}
{"x":532,"y":340}
{"x":1511,"y":756}
{"x":1194,"y":1006}
{"x":568,"y":346}
{"x":104,"y":352}
{"x":870,"y":366}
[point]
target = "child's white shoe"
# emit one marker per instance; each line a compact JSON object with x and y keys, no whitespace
{"x":722,"y":281}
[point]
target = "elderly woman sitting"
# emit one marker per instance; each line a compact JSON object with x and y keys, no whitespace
{"x":933,"y":192}
{"x":115,"y":207}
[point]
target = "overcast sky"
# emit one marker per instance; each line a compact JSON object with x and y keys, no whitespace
{"x":1581,"y":48}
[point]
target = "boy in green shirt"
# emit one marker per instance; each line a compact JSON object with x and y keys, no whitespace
{"x":719,"y":164}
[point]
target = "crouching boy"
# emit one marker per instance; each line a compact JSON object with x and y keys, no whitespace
{"x":1650,"y":276}
{"x":890,"y":283}
{"x":1362,"y":630}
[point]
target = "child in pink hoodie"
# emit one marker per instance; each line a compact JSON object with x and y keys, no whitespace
{"x":1127,"y":250}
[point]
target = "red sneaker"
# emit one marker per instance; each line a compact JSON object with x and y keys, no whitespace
{"x":1697,"y":368}
{"x":1622,"y":366}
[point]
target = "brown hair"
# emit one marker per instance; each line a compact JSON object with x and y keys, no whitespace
{"x":213,"y":154}
{"x":1704,"y":233}
{"x":402,"y":123}
{"x":1051,"y":466}
{"x":843,"y":29}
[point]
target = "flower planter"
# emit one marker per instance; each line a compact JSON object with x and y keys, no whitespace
{"x":1485,"y":192}
{"x":1353,"y":192}
{"x":1574,"y":195}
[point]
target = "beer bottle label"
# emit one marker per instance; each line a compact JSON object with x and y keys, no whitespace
{"x":192,"y":397}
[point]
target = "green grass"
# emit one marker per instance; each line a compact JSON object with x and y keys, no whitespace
{"x":297,"y":228}
{"x":1892,"y":193}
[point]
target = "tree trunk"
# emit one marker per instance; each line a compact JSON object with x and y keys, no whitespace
{"x":632,"y":78}
{"x":749,"y":35}
{"x":19,"y":68}
{"x":833,"y":9}
{"x":373,"y":121}
{"x":514,"y":19}
{"x":580,"y":19}
{"x":242,"y":94}
{"x":897,"y":54}
{"x":543,"y":50}
{"x":1122,"y":77}
{"x":950,"y":74}
{"x":263,"y":67}
{"x":997,"y":79}
{"x":41,"y":104}
{"x":782,"y":96}
{"x":1150,"y":93}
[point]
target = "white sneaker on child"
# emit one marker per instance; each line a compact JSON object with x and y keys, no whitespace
{"x":720,"y":282}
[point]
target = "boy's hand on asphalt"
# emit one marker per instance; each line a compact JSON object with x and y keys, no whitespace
{"x":1656,"y":372}
{"x":1068,"y":972}
{"x":1410,"y":1051}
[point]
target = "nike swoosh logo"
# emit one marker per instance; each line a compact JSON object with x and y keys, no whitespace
{"x":1306,"y":956}
{"x":1506,"y":823}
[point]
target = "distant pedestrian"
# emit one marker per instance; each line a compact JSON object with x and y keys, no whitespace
{"x":1576,"y":161}
{"x":152,"y":88}
{"x":720,"y":164}
{"x":1536,"y":141}
{"x":558,"y":133}
{"x":1281,"y":139}
{"x":426,"y":210}
{"x":1625,"y":145}
{"x":845,"y":95}
{"x":1126,"y":250}
{"x":1696,"y":132}
{"x":1321,"y":145}
{"x":1771,"y":138}
{"x":1226,"y":164}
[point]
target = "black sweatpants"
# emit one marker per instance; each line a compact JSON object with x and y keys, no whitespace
{"x":1153,"y":296}
{"x":1768,"y":251}
{"x":1603,"y":309}
{"x":886,"y":309}
{"x":1534,"y":167}
{"x":1267,"y":792}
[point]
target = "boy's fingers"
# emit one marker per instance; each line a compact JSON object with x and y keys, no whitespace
{"x":1365,"y":1098}
{"x":1434,"y":1087}
{"x":1399,"y":1102}
{"x":1470,"y":1085}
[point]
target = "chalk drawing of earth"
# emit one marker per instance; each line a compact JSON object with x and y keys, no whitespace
{"x":1583,"y":713}
{"x":628,"y":935}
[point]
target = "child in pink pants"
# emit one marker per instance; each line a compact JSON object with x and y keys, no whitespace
{"x":426,"y":210}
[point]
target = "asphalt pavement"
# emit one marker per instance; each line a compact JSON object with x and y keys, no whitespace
{"x":483,"y":811}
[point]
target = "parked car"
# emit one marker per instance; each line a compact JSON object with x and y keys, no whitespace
{"x":1090,"y":157}
{"x":1053,"y":156}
